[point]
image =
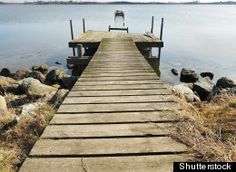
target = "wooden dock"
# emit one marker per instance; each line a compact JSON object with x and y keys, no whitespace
{"x":116,"y":118}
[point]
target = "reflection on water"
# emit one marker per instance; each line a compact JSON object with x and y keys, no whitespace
{"x":200,"y":37}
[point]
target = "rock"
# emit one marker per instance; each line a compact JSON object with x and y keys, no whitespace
{"x":205,"y":74}
{"x":58,"y":86}
{"x":21,"y":74}
{"x":34,"y":88}
{"x":37,"y":75}
{"x":232,"y":90}
{"x":42,"y":68}
{"x":58,"y":63}
{"x":184,"y":91}
{"x":28,"y":109}
{"x":188,"y":75}
{"x":56,"y":75}
{"x":175,"y":72}
{"x":225,"y":82}
{"x":59,"y":97}
{"x":3,"y":106}
{"x":9,"y":85}
{"x":5,"y":72}
{"x":69,"y":81}
{"x":203,"y":87}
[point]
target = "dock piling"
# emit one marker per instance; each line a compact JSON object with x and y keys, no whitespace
{"x":152,"y":24}
{"x":161,"y":34}
{"x":72,"y":35}
{"x":83,"y":25}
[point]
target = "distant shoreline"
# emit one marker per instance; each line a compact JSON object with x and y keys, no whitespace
{"x":117,"y":3}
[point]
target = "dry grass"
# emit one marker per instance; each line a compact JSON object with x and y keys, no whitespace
{"x":16,"y":143}
{"x":209,"y":129}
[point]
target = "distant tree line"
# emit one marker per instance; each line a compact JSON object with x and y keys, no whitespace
{"x":116,"y":2}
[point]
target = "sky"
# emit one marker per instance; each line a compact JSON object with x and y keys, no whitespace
{"x":122,"y":0}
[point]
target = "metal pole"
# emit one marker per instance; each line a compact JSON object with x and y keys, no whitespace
{"x":161,"y":34}
{"x":72,"y":35}
{"x":83,"y":25}
{"x":152,"y":24}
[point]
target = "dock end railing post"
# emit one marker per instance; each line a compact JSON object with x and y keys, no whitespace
{"x":84,"y":25}
{"x":72,"y":35}
{"x":152,"y":25}
{"x":161,"y":34}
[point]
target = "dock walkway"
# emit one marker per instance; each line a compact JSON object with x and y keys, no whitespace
{"x":116,"y":118}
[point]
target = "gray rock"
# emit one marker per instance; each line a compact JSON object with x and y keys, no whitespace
{"x":37,"y":75}
{"x":28,"y":109}
{"x":42,"y":68}
{"x":5,"y":72}
{"x":184,"y":91}
{"x":175,"y":71}
{"x":225,"y":82}
{"x":203,"y":87}
{"x":207,"y":74}
{"x":56,"y":75}
{"x":188,"y":75}
{"x":9,"y":85}
{"x":69,"y":81}
{"x":21,"y":74}
{"x":3,"y":106}
{"x":34,"y":88}
{"x":57,"y":99}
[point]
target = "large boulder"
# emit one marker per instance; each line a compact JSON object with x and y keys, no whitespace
{"x":225,"y":82}
{"x":207,"y":74}
{"x":9,"y":85}
{"x":59,"y":97}
{"x":184,"y":91}
{"x":5,"y":72}
{"x":42,"y":68}
{"x":37,"y":75}
{"x":203,"y":87}
{"x":34,"y":88}
{"x":68,"y":81}
{"x":3,"y":106}
{"x":56,"y":75}
{"x":21,"y":74}
{"x":188,"y":75}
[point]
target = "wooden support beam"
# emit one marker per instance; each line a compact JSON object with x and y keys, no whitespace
{"x":72,"y":36}
{"x":161,"y":34}
{"x":152,"y":24}
{"x":84,"y":25}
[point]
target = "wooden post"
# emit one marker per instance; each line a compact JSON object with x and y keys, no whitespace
{"x":72,"y":35}
{"x":83,"y":25}
{"x":152,"y":24}
{"x":109,"y":28}
{"x":79,"y":50}
{"x":161,"y":33}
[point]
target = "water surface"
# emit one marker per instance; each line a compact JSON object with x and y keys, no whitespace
{"x":196,"y":36}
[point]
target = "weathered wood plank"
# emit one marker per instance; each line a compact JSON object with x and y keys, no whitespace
{"x":105,"y":130}
{"x":117,"y":107}
{"x":121,"y":117}
{"x":93,"y":147}
{"x":119,"y":92}
{"x":160,"y":163}
{"x":119,"y":87}
{"x":93,"y":75}
{"x":122,"y":78}
{"x":118,"y":82}
{"x":119,"y":99}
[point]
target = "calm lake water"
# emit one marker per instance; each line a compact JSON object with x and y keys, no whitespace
{"x":197,"y":36}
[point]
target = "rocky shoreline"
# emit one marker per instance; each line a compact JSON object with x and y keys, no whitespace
{"x":197,"y":88}
{"x":25,"y":91}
